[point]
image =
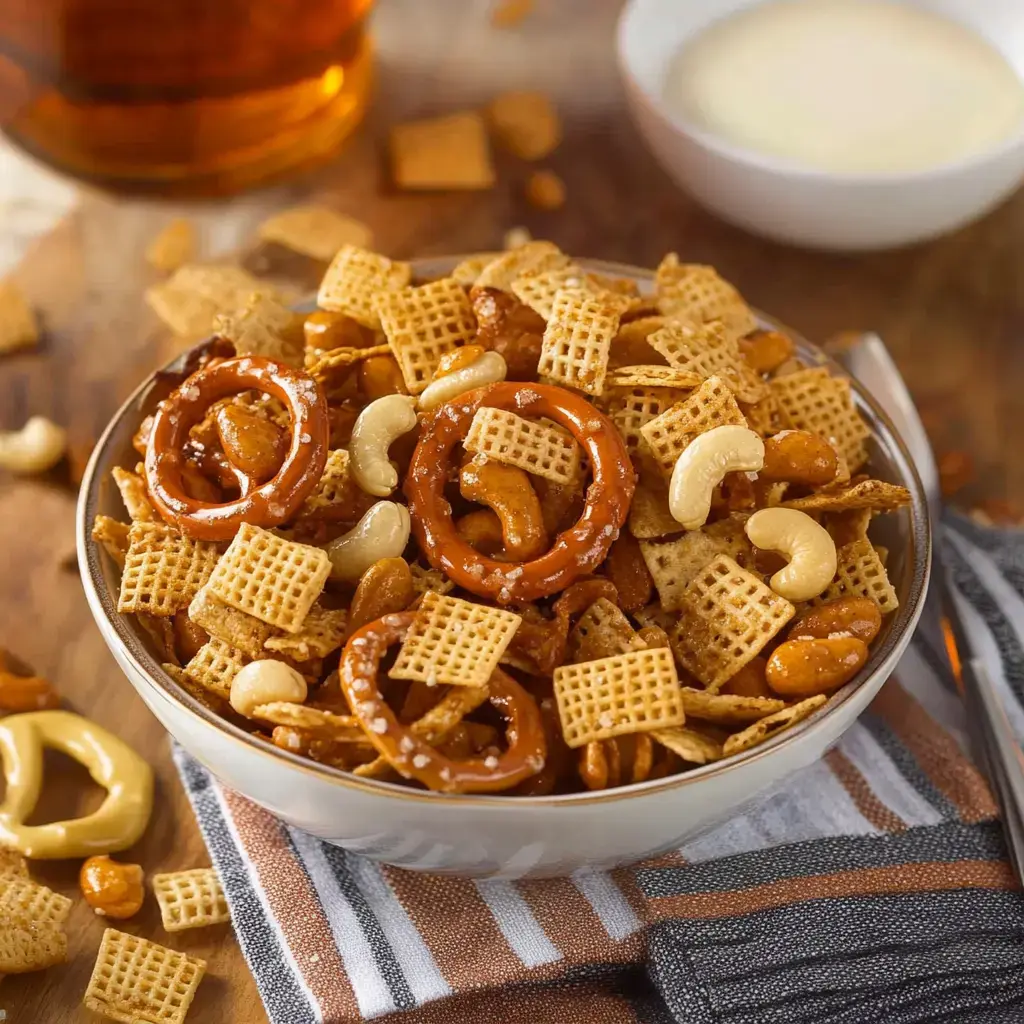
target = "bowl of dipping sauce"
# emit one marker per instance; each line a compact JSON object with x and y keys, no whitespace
{"x":833,"y":124}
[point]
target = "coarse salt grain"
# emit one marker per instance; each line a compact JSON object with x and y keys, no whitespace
{"x":491,"y":762}
{"x":607,"y":720}
{"x":379,"y":726}
{"x":420,"y":761}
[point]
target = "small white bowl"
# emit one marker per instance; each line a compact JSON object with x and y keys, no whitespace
{"x":789,"y":203}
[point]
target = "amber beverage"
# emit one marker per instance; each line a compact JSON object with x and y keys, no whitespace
{"x":182,"y":96}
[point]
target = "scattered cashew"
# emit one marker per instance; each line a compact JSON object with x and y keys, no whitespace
{"x":508,"y":492}
{"x":811,"y":551}
{"x":486,"y":369}
{"x":703,"y":464}
{"x":382,"y":533}
{"x":377,"y":426}
{"x":37,"y":447}
{"x":264,"y":682}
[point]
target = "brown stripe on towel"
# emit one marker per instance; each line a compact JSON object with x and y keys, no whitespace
{"x":862,"y":794}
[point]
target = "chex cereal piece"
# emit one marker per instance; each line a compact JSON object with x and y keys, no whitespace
{"x":629,"y":409}
{"x":136,"y":980}
{"x":275,"y":580}
{"x":332,"y":367}
{"x":237,"y":629}
{"x":454,"y":641}
{"x":26,"y":945}
{"x":602,"y":631}
{"x":849,"y":525}
{"x":336,"y":487}
{"x":263,"y":326}
{"x":694,"y":292}
{"x":194,"y":295}
{"x":649,"y":515}
{"x":525,"y":123}
{"x":728,"y":617}
{"x":468,"y":270}
{"x":160,"y":630}
{"x":816,"y":401}
{"x":505,"y":268}
{"x":764,"y":728}
{"x":355,"y":278}
{"x":429,"y":579}
{"x":12,"y":863}
{"x":422,"y":324}
{"x":190,"y":899}
{"x":321,"y":633}
{"x":727,"y":708}
{"x":316,"y":231}
{"x":214,"y":665}
{"x":673,"y":564}
{"x":860,"y":573}
{"x":20,"y":897}
{"x":18,"y":327}
{"x":113,"y":536}
{"x":705,"y":350}
{"x":634,"y":692}
{"x":316,"y":721}
{"x":450,"y":152}
{"x":574,"y":351}
{"x":876,"y":495}
{"x":163,"y":570}
{"x":690,"y":745}
{"x":538,"y":286}
{"x":174,"y":246}
{"x":545,"y":451}
{"x":653,"y":377}
{"x":763,"y":416}
{"x":711,"y":405}
{"x":134,"y":495}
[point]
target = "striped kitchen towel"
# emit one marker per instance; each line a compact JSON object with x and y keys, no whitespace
{"x":872,"y":888}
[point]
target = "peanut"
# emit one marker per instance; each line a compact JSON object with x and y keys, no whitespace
{"x":626,"y":568}
{"x":325,"y":330}
{"x":507,"y":491}
{"x":803,"y":668}
{"x":510,"y":328}
{"x":112,"y":889}
{"x":856,"y":616}
{"x":380,"y":376}
{"x":799,"y":457}
{"x":749,"y":681}
{"x":384,"y":588}
{"x":766,"y":350}
{"x":26,"y":693}
{"x":253,"y":444}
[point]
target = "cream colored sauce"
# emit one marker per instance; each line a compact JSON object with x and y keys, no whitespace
{"x":855,"y":86}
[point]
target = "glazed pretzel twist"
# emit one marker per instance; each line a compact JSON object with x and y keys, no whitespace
{"x":273,"y":502}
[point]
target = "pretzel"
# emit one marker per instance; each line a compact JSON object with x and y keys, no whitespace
{"x":270,"y":504}
{"x":576,"y":551}
{"x":411,"y":756}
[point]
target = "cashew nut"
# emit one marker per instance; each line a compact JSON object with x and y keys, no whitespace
{"x":377,"y":426}
{"x":382,"y":533}
{"x":264,"y":682}
{"x":703,"y":464}
{"x":811,"y":551}
{"x":486,"y":369}
{"x":37,"y":447}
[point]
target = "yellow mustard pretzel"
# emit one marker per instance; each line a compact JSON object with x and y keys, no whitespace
{"x":121,"y":818}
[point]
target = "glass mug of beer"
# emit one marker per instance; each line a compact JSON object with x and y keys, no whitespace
{"x":182,"y":96}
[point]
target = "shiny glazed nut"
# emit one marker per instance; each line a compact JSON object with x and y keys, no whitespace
{"x":511,"y":328}
{"x":37,"y":447}
{"x":811,"y":551}
{"x":626,"y":568}
{"x":324,"y":330}
{"x":799,"y":457}
{"x":702,"y":465}
{"x":252,"y":443}
{"x":383,"y":532}
{"x":853,"y":616}
{"x":766,"y":350}
{"x":482,"y":530}
{"x":380,"y":376}
{"x":749,"y":681}
{"x":377,"y":427}
{"x":26,"y":693}
{"x":385,"y":587}
{"x":488,"y":368}
{"x":112,"y":889}
{"x":264,"y":682}
{"x":803,"y":668}
{"x":506,"y":490}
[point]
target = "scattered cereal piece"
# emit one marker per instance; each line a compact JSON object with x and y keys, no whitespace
{"x":174,"y":246}
{"x":316,"y":231}
{"x":190,"y":899}
{"x":194,"y":295}
{"x":861,"y":573}
{"x":692,"y":292}
{"x":601,"y":632}
{"x":763,"y":729}
{"x":727,"y":708}
{"x":525,"y":123}
{"x":236,"y":629}
{"x":545,"y":190}
{"x":112,"y":535}
{"x":876,"y":495}
{"x":449,"y":152}
{"x":18,"y":327}
{"x":690,"y":745}
{"x":214,"y":666}
{"x":263,"y":326}
{"x":135,"y":496}
{"x":322,"y":633}
{"x":674,"y":564}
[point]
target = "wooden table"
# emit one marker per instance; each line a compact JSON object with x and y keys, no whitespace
{"x":952,"y":313}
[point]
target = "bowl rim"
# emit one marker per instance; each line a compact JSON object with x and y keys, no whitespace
{"x":767,"y":162}
{"x":114,"y":627}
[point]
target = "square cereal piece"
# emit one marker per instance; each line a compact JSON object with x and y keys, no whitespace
{"x":163,"y":570}
{"x":315,"y":721}
{"x":275,"y":580}
{"x":693,"y":292}
{"x":816,"y":401}
{"x":601,"y":632}
{"x":727,"y":708}
{"x":626,"y":693}
{"x":649,"y":515}
{"x":450,"y":152}
{"x":505,"y":268}
{"x":860,"y":573}
{"x":631,"y":408}
{"x":692,"y":746}
{"x":653,"y":376}
{"x":354,"y":280}
{"x":765,"y":728}
{"x":27,"y":946}
{"x":336,"y":489}
{"x":190,"y":899}
{"x":18,"y":327}
{"x":711,"y":405}
{"x":454,"y":641}
{"x":215,"y":665}
{"x":321,"y":634}
{"x":578,"y":337}
{"x":876,"y":495}
{"x":429,"y":579}
{"x":237,"y":629}
{"x":468,"y":270}
{"x":728,"y":616}
{"x":763,"y":416}
{"x":422,"y":324}
{"x":112,"y":536}
{"x":538,"y":286}
{"x":135,"y":495}
{"x":525,"y":123}
{"x":264,"y":326}
{"x":12,"y":863}
{"x":316,"y":231}
{"x":543,"y":450}
{"x":136,"y":980}
{"x":673,"y":564}
{"x":21,"y":898}
{"x":194,"y":295}
{"x":175,"y":245}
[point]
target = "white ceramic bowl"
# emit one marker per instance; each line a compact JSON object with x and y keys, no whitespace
{"x":785,"y":202}
{"x":486,"y":836}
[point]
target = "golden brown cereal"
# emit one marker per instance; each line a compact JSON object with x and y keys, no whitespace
{"x":194,"y":295}
{"x":163,"y":570}
{"x":18,"y":327}
{"x":600,"y":632}
{"x":626,"y":568}
{"x":876,"y":495}
{"x":355,"y":279}
{"x":727,"y":709}
{"x":322,"y":632}
{"x":545,"y":190}
{"x":692,"y":292}
{"x":506,"y":267}
{"x":236,"y":629}
{"x":113,"y":536}
{"x":632,"y":408}
{"x":21,"y":898}
{"x":467,"y":272}
{"x":674,"y":564}
{"x":26,"y":945}
{"x":449,"y":152}
{"x":577,"y":341}
{"x":861,"y":573}
{"x":134,"y":495}
{"x":175,"y":245}
{"x":190,"y":899}
{"x":263,"y":326}
{"x":215,"y":665}
{"x":692,"y":746}
{"x":316,"y":231}
{"x":653,"y":376}
{"x":315,"y":721}
{"x":543,"y":450}
{"x":429,"y":579}
{"x":12,"y":862}
{"x":525,"y":123}
{"x":111,"y":888}
{"x":649,"y":515}
{"x":765,"y":728}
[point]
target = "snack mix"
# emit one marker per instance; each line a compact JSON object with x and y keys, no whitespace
{"x":519,"y":530}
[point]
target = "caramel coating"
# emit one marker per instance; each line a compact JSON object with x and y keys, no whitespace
{"x":799,"y":457}
{"x":803,"y":668}
{"x":766,"y":350}
{"x":750,"y":681}
{"x":506,"y":490}
{"x":380,"y":376}
{"x":112,"y":889}
{"x":858,"y":616}
{"x":385,"y":587}
{"x":251,"y":442}
{"x":626,"y":568}
{"x":511,"y":328}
